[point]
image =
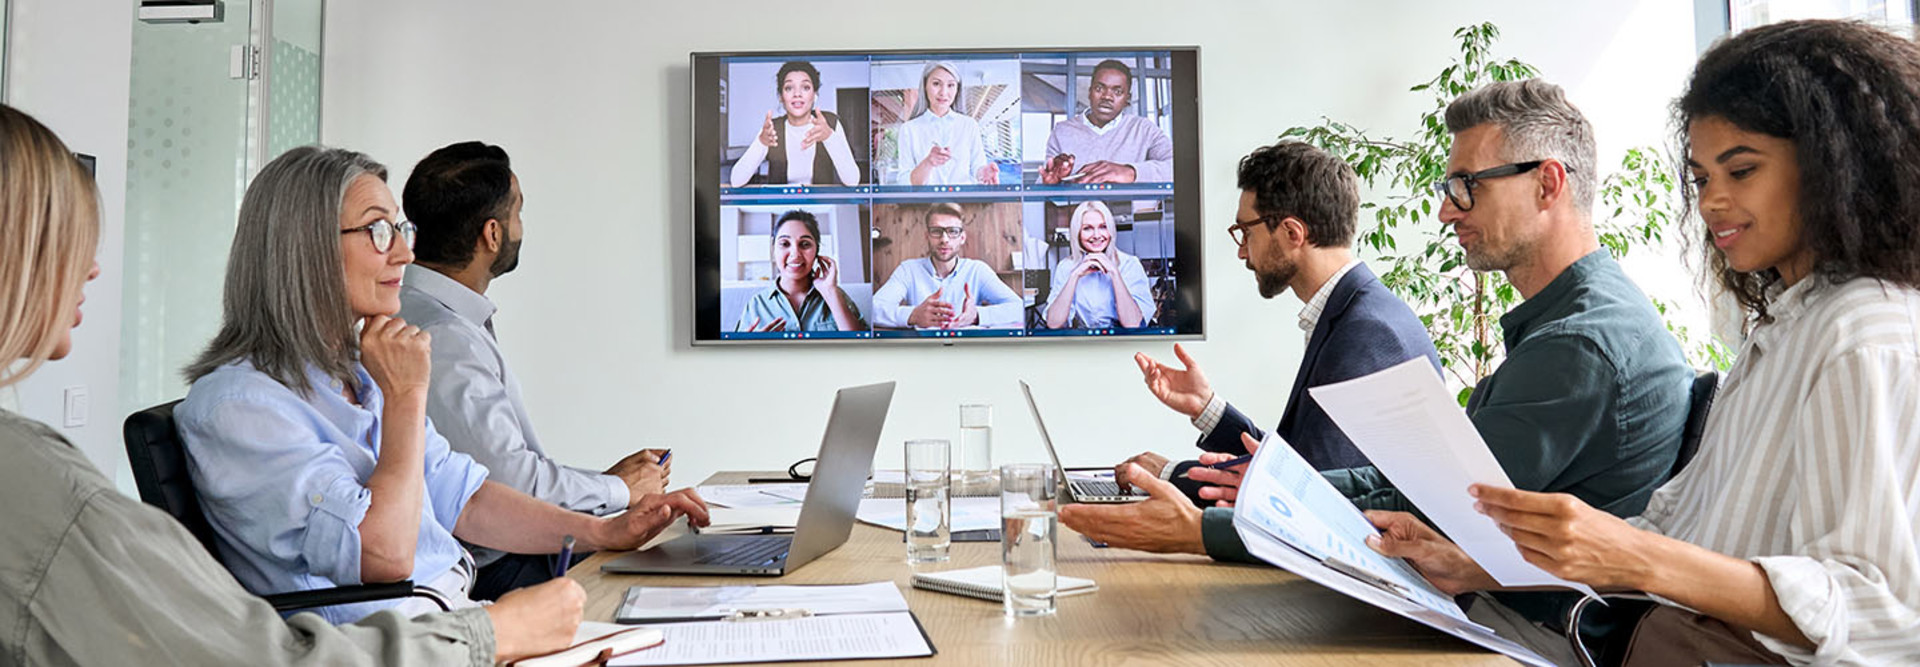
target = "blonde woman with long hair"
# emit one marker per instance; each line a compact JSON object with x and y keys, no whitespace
{"x":1097,"y":286}
{"x":116,"y":581}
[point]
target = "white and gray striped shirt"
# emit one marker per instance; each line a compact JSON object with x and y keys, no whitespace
{"x":1810,"y":467}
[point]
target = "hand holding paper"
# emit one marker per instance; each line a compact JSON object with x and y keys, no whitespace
{"x":1404,"y":420}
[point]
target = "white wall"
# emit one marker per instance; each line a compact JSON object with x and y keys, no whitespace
{"x":591,"y":98}
{"x":68,"y":66}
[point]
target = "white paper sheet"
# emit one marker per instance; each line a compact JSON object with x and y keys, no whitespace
{"x":752,"y":495}
{"x":1279,"y":506}
{"x":682,"y":603}
{"x":1404,"y":420}
{"x":966,"y":513}
{"x":724,"y":520}
{"x":840,"y":637}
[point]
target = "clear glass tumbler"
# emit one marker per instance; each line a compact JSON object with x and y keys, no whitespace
{"x":974,"y":474}
{"x":929,"y":521}
{"x":1029,"y":524}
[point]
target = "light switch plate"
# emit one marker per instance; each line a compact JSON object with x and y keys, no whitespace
{"x":75,"y":415}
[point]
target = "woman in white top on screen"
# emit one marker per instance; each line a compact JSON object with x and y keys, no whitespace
{"x":1789,"y":538}
{"x":1098,"y":286}
{"x":791,"y":145}
{"x":940,"y":145}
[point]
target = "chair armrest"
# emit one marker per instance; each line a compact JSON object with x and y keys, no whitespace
{"x":1580,"y":648}
{"x":327,"y":597}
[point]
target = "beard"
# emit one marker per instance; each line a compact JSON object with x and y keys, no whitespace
{"x":1274,"y":282}
{"x":507,"y":260}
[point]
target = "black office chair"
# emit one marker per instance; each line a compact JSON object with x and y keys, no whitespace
{"x":1706,"y":384}
{"x":159,"y":462}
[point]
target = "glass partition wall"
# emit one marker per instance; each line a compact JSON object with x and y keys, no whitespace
{"x":211,"y":103}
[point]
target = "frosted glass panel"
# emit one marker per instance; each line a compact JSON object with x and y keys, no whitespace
{"x":186,"y":167}
{"x":293,"y":117}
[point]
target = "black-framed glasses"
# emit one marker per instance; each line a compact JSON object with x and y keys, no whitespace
{"x":382,"y":232}
{"x":949,"y":232}
{"x":1459,"y":187}
{"x":1238,"y":230}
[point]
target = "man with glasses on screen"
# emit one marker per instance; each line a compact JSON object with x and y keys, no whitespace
{"x":944,"y":290}
{"x":1593,"y":393}
{"x":466,"y":202}
{"x":1104,"y":145}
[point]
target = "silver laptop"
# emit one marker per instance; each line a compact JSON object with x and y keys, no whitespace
{"x":826,"y":517}
{"x":1078,"y":490}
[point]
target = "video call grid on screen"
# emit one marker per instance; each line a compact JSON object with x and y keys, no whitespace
{"x":1069,"y":246}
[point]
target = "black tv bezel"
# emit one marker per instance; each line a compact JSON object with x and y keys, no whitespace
{"x":1189,"y":248}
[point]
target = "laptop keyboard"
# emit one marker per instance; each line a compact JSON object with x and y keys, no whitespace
{"x":757,"y":551}
{"x":1096,"y":487}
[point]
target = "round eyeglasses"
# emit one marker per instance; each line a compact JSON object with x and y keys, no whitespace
{"x":382,"y":233}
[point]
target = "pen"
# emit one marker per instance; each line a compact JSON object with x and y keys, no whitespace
{"x":664,"y":457}
{"x":1356,"y":572}
{"x":1223,"y":465}
{"x":566,"y":557}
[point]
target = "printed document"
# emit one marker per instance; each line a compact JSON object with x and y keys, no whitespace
{"x":839,"y":637}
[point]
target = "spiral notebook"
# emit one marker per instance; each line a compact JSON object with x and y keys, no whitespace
{"x":984,"y":583}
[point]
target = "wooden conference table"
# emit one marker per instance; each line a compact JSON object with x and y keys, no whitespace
{"x":1150,"y":609}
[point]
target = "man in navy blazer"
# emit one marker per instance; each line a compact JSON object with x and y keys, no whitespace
{"x":1295,"y":228}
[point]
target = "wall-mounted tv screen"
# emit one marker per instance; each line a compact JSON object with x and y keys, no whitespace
{"x":946,"y":195}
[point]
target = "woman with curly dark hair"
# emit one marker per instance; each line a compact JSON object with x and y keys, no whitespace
{"x":1790,"y":537}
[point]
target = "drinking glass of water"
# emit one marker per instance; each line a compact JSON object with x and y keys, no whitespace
{"x":1029,"y":521}
{"x":975,"y":473}
{"x":928,"y":522}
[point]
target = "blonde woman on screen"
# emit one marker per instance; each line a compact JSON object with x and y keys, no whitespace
{"x":939,"y":144}
{"x":804,"y":145}
{"x":1098,"y":286}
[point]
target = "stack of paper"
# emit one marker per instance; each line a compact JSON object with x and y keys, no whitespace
{"x":752,"y":520}
{"x":823,"y":623}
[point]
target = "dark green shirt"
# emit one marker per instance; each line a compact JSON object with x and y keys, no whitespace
{"x":1590,"y":401}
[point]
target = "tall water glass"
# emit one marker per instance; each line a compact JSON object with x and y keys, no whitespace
{"x":975,"y":469}
{"x":929,"y":524}
{"x":1029,"y":522}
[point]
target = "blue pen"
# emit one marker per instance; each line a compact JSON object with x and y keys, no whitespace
{"x":1223,"y":465}
{"x":566,"y":557}
{"x":664,"y":457}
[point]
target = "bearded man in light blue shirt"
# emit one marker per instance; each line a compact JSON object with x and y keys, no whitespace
{"x":465,"y":201}
{"x":944,"y":290}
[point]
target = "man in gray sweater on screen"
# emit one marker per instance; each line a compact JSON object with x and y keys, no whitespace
{"x":1105,"y":145}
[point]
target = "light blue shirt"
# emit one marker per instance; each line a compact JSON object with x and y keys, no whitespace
{"x":914,"y":280}
{"x":283,"y":481}
{"x":1093,"y":299}
{"x":770,"y":304}
{"x":474,"y":399}
{"x":957,"y":131}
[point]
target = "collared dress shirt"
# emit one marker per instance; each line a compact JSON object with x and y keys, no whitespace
{"x":958,"y":132}
{"x":283,"y":481}
{"x":914,"y":280}
{"x":770,"y":304}
{"x":474,"y":400}
{"x":92,"y":577}
{"x":1810,"y":467}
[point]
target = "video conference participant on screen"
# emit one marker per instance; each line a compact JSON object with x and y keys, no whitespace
{"x":790,"y":145}
{"x":1098,"y":286}
{"x":944,"y":290}
{"x":942,"y":144}
{"x":806,"y":294}
{"x":1107,"y":146}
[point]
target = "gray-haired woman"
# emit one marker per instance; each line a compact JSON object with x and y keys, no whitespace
{"x":166,"y":599}
{"x":306,"y":425}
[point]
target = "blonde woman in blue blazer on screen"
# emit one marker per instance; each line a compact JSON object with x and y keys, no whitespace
{"x":806,"y":294}
{"x":805,"y":145}
{"x":941,"y":143}
{"x":1098,"y":286}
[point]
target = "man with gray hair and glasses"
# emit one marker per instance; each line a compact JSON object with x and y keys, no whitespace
{"x":1594,"y":391}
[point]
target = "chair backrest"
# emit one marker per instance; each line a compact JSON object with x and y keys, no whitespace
{"x":159,"y":461}
{"x":1699,"y":401}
